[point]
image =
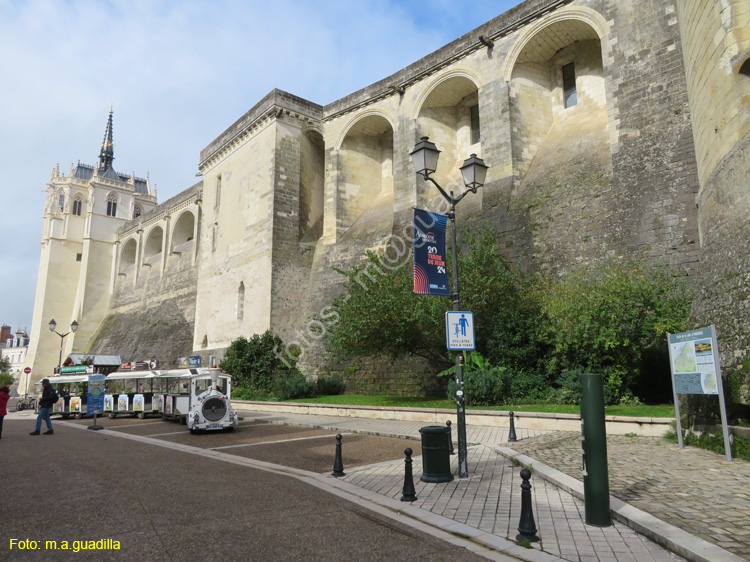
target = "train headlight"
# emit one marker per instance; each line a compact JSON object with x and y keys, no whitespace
{"x":214,"y":409}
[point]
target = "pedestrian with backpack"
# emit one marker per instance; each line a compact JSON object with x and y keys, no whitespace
{"x":49,"y":397}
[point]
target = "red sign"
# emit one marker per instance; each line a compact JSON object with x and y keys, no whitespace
{"x":27,"y":370}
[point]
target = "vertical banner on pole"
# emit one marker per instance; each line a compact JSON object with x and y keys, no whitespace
{"x":430,"y":271}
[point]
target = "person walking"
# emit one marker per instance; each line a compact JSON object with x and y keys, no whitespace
{"x":49,"y":397}
{"x":4,"y":396}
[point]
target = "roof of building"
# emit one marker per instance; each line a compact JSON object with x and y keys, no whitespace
{"x":105,"y":169}
{"x":99,"y":360}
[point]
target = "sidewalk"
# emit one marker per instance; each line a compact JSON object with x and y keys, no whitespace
{"x":696,"y":517}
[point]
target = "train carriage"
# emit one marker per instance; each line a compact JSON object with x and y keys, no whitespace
{"x":132,"y":393}
{"x":73,"y":393}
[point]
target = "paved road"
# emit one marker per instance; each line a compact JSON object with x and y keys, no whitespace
{"x":183,"y":503}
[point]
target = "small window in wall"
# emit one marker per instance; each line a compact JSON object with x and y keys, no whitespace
{"x":570,"y":95}
{"x":214,"y":235}
{"x":241,"y":301}
{"x":745,"y":68}
{"x":77,"y":205}
{"x":61,"y":201}
{"x":475,"y":136}
{"x":204,"y":343}
{"x":136,"y":211}
{"x":112,"y":205}
{"x":218,"y":192}
{"x":79,"y":257}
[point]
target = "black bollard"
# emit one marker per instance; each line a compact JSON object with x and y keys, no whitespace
{"x":526,"y":526}
{"x":450,"y":438}
{"x":338,"y":464}
{"x":410,"y":494}
{"x":512,"y":432}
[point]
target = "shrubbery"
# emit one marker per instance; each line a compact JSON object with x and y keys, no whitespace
{"x":539,"y":332}
{"x":329,"y":386}
{"x":252,"y":362}
{"x":258,"y":374}
{"x":293,"y":385}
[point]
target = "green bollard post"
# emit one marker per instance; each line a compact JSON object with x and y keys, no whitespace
{"x":595,"y":471}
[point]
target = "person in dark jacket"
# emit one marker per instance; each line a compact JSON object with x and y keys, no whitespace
{"x":45,"y":407}
{"x":4,"y":396}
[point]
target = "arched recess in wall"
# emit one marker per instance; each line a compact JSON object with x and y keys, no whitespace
{"x":365,"y":169}
{"x":558,"y":97}
{"x":182,"y":233}
{"x":152,"y":248}
{"x":451,"y":117}
{"x":128,"y":256}
{"x":312,"y":176}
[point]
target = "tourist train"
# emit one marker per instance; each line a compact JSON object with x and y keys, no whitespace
{"x":199,"y":397}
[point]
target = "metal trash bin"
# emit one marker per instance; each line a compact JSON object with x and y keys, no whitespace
{"x":436,"y":460}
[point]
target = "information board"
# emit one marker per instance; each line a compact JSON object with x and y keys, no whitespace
{"x":95,"y":399}
{"x":696,"y":369}
{"x":694,"y":364}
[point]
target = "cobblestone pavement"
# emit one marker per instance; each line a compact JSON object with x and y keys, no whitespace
{"x":693,"y":489}
{"x":489,"y":500}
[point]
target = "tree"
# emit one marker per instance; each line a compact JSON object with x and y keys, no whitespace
{"x":378,"y":312}
{"x":606,"y":317}
{"x":253,"y":362}
{"x":4,"y":364}
{"x":6,"y":379}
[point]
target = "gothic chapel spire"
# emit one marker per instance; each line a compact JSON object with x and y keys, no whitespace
{"x":107,"y":153}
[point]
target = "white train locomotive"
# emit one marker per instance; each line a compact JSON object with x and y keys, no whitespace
{"x":210,"y":408}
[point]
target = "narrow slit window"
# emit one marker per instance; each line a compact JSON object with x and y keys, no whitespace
{"x":218,"y":192}
{"x":570,"y":95}
{"x":77,"y":204}
{"x":241,"y":301}
{"x":475,"y":130}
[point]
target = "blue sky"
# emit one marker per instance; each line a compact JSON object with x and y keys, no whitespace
{"x":177,"y":74}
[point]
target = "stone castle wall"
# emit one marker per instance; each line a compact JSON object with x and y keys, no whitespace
{"x":293,"y":190}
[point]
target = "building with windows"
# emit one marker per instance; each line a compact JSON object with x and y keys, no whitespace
{"x":610,"y":128}
{"x":15,"y":349}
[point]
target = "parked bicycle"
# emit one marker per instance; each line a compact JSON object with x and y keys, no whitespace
{"x":26,"y":403}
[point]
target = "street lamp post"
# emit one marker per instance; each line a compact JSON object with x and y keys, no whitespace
{"x":73,"y":328}
{"x":474,"y":171}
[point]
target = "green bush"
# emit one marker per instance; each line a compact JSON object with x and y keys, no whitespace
{"x":6,"y":379}
{"x":329,"y":386}
{"x":529,"y":387}
{"x":487,"y":387}
{"x":607,"y":316}
{"x":293,"y":385}
{"x":252,"y":362}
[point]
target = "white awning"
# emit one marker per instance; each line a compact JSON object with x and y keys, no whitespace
{"x":66,"y":378}
{"x":133,"y":375}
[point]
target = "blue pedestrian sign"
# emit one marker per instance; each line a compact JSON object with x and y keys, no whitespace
{"x":459,"y":330}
